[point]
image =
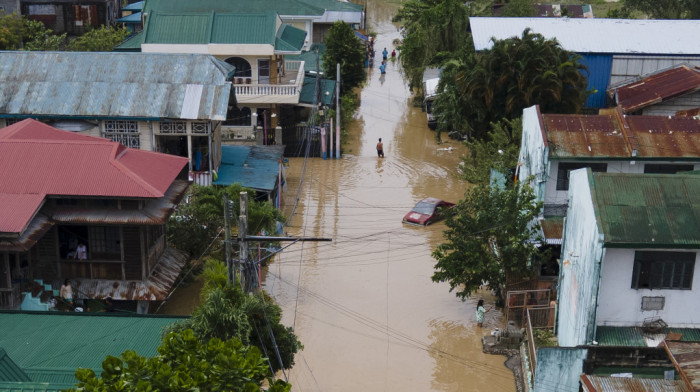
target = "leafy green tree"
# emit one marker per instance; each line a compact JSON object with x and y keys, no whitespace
{"x":342,"y":46}
{"x":514,"y":74}
{"x":433,"y":31}
{"x":198,"y":221}
{"x":498,"y":150}
{"x":666,"y":9}
{"x":226,"y":312}
{"x":489,"y":236}
{"x":102,"y":39}
{"x":11,"y":31}
{"x":520,"y":8}
{"x":18,"y":32}
{"x":183,"y":364}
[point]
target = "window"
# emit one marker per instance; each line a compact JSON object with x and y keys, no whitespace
{"x":173,"y":127}
{"x":663,"y":270}
{"x":105,"y":242}
{"x":200,"y":127}
{"x":243,"y":69}
{"x":124,"y":132}
{"x":238,"y":117}
{"x":566,"y":167}
{"x":666,"y":168}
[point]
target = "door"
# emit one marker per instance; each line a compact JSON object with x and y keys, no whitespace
{"x":264,"y":71}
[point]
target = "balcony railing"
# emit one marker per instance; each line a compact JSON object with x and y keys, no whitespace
{"x":286,"y":91}
{"x":200,"y":177}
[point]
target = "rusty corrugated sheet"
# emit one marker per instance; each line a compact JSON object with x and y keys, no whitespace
{"x":689,"y":113}
{"x":579,"y":136}
{"x":36,"y":229}
{"x":661,"y":136}
{"x":658,"y":87}
{"x":156,"y":211}
{"x":620,"y":384}
{"x":686,"y":358}
{"x":552,"y":228}
{"x":156,"y":288}
{"x":611,"y":136}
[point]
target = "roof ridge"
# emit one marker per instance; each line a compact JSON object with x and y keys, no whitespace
{"x":114,"y":160}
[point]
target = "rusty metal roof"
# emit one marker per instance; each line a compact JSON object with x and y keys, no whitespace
{"x":657,"y":87}
{"x":649,"y":210}
{"x":552,"y":229}
{"x":686,"y":358}
{"x":33,"y":233}
{"x":689,"y":113}
{"x":156,"y":288}
{"x":155,"y":212}
{"x":636,"y":337}
{"x":617,"y":136}
{"x":593,"y":383}
{"x":114,"y":85}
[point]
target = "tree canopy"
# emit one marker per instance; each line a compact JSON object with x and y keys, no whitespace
{"x":489,"y":235}
{"x":18,"y":32}
{"x":666,"y":9}
{"x":226,"y":312}
{"x":497,"y":150}
{"x":343,"y":46}
{"x":520,"y":8}
{"x":479,"y":89}
{"x":184,"y":363}
{"x":102,"y":39}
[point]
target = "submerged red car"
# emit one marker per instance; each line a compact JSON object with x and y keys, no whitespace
{"x":428,"y":211}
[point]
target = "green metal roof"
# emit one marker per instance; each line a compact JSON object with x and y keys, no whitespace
{"x":647,"y":210}
{"x":307,"y":91}
{"x":6,"y":386}
{"x":309,"y":58}
{"x":50,"y":346}
{"x":134,"y":18}
{"x":634,"y":337}
{"x":9,"y":371}
{"x":289,"y":38}
{"x":137,"y":6}
{"x":333,"y":5}
{"x":131,"y":44}
{"x":282,"y":7}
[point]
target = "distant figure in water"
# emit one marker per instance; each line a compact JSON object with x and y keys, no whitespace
{"x":380,"y":149}
{"x":481,"y":313}
{"x":383,"y":67}
{"x":385,"y":54}
{"x":393,"y":54}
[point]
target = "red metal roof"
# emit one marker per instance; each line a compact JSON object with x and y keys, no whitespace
{"x":621,"y":136}
{"x":658,"y":87}
{"x":38,"y":160}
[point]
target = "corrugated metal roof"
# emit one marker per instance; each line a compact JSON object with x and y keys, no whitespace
{"x":289,"y":39}
{"x":650,"y":210}
{"x":592,"y":35}
{"x":255,"y":167}
{"x":37,"y":160}
{"x":9,"y":371}
{"x":36,"y":229}
{"x":572,"y":136}
{"x":32,"y":387}
{"x":656,"y":88}
{"x":282,"y":7}
{"x":137,"y":6}
{"x":62,"y":342}
{"x":688,"y":113}
{"x":621,"y":384}
{"x":111,"y":84}
{"x":552,"y":228}
{"x":686,"y":358}
{"x":156,"y":288}
{"x":635,"y":336}
{"x":134,"y":18}
{"x":309,"y":87}
{"x":309,"y":57}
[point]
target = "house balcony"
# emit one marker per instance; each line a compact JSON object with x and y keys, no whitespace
{"x":286,"y":91}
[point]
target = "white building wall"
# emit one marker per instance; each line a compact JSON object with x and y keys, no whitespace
{"x":553,"y":196}
{"x":621,"y":305}
{"x":671,"y":106}
{"x":579,"y":271}
{"x":533,"y":158}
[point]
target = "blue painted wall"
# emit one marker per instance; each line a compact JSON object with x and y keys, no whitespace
{"x":599,"y":67}
{"x":559,"y":369}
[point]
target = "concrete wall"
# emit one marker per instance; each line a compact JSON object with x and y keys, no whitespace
{"x":620,"y":304}
{"x":579,"y":273}
{"x":559,"y":369}
{"x":534,"y":155}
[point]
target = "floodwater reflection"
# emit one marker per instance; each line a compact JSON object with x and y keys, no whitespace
{"x":364,"y":306}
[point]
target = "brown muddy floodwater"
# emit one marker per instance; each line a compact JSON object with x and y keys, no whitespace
{"x":364,"y":307}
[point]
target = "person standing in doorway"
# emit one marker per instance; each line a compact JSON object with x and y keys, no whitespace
{"x":481,"y":313}
{"x":385,"y":54}
{"x":380,"y":148}
{"x":80,"y":252}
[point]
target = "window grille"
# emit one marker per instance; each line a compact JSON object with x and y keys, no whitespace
{"x":173,"y":127}
{"x":199,"y":127}
{"x":125,"y":132}
{"x":663,"y":270}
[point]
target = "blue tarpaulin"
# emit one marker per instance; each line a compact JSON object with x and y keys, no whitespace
{"x":255,"y":167}
{"x":361,"y":36}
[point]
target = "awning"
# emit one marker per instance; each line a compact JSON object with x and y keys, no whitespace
{"x":255,"y":167}
{"x":327,"y":86}
{"x":361,"y":36}
{"x":137,"y":6}
{"x":133,"y":18}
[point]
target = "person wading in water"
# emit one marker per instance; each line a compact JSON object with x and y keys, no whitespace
{"x":380,"y":149}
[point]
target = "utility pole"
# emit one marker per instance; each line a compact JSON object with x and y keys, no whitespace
{"x":337,"y":112}
{"x":249,"y":273}
{"x":231,"y":274}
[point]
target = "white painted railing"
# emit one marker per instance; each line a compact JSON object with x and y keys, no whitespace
{"x":267,"y":89}
{"x":293,"y":65}
{"x":200,"y":177}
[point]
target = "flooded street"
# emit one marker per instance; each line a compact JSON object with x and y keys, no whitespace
{"x":364,"y":307}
